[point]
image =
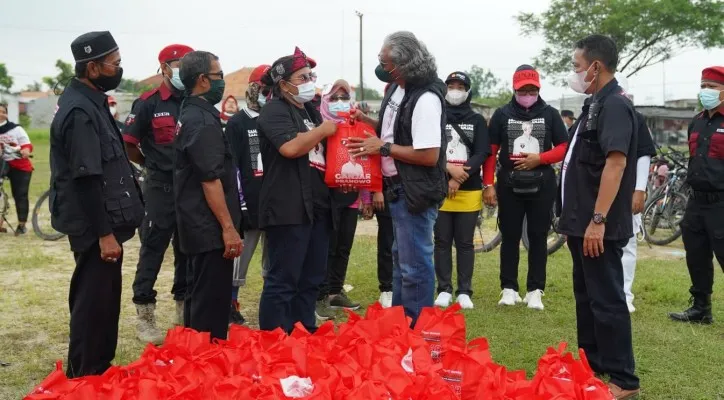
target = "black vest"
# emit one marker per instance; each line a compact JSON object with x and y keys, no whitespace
{"x":121,"y":193}
{"x":424,"y":187}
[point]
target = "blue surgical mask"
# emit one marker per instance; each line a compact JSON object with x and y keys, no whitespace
{"x":176,"y":79}
{"x":261,"y":100}
{"x":710,"y":98}
{"x":339,"y":106}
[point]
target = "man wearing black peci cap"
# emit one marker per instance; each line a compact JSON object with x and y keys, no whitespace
{"x":95,"y":200}
{"x":149,"y":135}
{"x":568,"y":118}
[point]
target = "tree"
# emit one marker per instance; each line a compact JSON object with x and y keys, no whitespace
{"x":370,"y":94}
{"x":65,"y":73}
{"x":6,"y":81}
{"x":34,"y":87}
{"x":133,"y":86}
{"x":646,"y":32}
{"x":488,"y":89}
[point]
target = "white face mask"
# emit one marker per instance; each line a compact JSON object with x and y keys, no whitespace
{"x":113,"y":110}
{"x":176,"y":79}
{"x":577,"y":81}
{"x":456,"y":97}
{"x":306,"y":92}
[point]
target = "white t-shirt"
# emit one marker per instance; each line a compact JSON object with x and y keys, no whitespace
{"x":425,"y":125}
{"x":352,"y":171}
{"x":13,"y":140}
{"x":564,"y":168}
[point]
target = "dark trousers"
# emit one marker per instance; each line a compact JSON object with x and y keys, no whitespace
{"x":537,"y":208}
{"x":156,"y":232}
{"x":95,"y":305}
{"x":207,"y":302}
{"x":602,"y":317}
{"x":19,"y":185}
{"x":460,"y":227}
{"x":340,"y":245}
{"x":385,"y":239}
{"x":297,"y":267}
{"x":702,"y":230}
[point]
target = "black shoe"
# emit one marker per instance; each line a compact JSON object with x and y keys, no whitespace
{"x":21,"y":230}
{"x":235,"y":316}
{"x":698,"y":313}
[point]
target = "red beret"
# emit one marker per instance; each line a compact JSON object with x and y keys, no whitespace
{"x":258,"y":72}
{"x":173,"y":52}
{"x":713,"y":74}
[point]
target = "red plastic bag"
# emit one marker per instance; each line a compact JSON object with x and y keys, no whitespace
{"x":441,"y":329}
{"x":364,"y":172}
{"x":560,"y":376}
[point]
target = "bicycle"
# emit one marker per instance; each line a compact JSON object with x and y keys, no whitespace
{"x":42,"y":225}
{"x":665,"y":210}
{"x":555,"y":239}
{"x":4,"y":198}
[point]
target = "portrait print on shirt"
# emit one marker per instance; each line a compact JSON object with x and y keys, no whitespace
{"x":316,"y":155}
{"x":525,"y":137}
{"x":458,"y":152}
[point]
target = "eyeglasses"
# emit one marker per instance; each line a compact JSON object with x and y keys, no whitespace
{"x":379,"y":58}
{"x":220,"y":74}
{"x":304,"y":78}
{"x":527,"y":92}
{"x":114,"y":65}
{"x":340,"y":98}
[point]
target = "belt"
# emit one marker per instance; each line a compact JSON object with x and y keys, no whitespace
{"x":392,"y":180}
{"x":707,"y":197}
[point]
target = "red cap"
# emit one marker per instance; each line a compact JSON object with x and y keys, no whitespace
{"x":258,"y":72}
{"x":112,"y":100}
{"x":713,"y":74}
{"x":173,"y":52}
{"x":526,"y":77}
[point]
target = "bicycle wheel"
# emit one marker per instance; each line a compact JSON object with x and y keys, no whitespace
{"x":662,"y":217}
{"x":487,"y":236}
{"x":41,"y":219}
{"x":555,"y":239}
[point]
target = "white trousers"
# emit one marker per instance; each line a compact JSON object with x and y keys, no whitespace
{"x":629,"y":260}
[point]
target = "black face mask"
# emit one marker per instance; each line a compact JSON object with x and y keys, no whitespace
{"x":106,"y":83}
{"x":383,"y":75}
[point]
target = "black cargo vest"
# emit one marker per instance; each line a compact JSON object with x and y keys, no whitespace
{"x":121,"y":193}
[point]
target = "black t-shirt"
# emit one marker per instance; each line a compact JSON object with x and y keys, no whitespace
{"x":517,"y":130}
{"x":459,"y":151}
{"x":292,"y":188}
{"x":202,"y":155}
{"x":646,"y":145}
{"x":607,"y":124}
{"x":152,"y":126}
{"x":706,"y":153}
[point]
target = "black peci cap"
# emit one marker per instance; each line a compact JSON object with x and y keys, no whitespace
{"x":459,"y":76}
{"x":567,"y":113}
{"x":92,"y":45}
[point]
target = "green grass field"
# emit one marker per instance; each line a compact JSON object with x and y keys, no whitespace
{"x":674,"y":361}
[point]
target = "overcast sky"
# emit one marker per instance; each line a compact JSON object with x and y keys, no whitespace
{"x":246,"y":33}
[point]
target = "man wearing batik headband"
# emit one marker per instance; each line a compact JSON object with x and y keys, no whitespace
{"x":294,"y":203}
{"x":244,"y":141}
{"x":704,"y":217}
{"x":149,"y":138}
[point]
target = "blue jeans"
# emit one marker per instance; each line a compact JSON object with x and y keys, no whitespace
{"x":413,"y":270}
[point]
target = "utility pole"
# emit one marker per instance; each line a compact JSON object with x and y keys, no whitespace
{"x":361,"y":82}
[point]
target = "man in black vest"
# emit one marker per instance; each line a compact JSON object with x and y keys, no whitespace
{"x":206,"y":195}
{"x":94,"y":199}
{"x":597,"y":187}
{"x":412,"y":144}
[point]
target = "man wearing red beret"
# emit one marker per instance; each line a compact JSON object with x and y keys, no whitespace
{"x":703,"y":220}
{"x":149,"y":135}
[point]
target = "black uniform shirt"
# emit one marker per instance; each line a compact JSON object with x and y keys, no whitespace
{"x":202,"y":155}
{"x":607,"y":124}
{"x":243,"y":137}
{"x":292,"y":188}
{"x":646,"y":145}
{"x":706,"y":152}
{"x":152,"y":125}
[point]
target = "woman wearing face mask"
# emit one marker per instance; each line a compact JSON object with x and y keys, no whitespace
{"x":294,"y":203}
{"x":15,"y":149}
{"x":228,"y":108}
{"x":468,"y":146}
{"x":531,"y":137}
{"x":331,"y":294}
{"x":244,"y":142}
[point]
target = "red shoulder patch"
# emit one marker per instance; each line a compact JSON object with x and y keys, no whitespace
{"x":148,"y":94}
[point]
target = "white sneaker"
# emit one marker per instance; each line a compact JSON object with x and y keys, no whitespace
{"x":443,"y":299}
{"x":509,"y":297}
{"x":533,"y":299}
{"x":465,"y":302}
{"x":386,"y":299}
{"x":631,"y":308}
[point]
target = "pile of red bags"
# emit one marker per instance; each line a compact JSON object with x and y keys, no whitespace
{"x":375,"y":357}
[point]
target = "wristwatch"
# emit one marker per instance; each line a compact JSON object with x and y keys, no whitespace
{"x":386,"y":149}
{"x":598,"y":219}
